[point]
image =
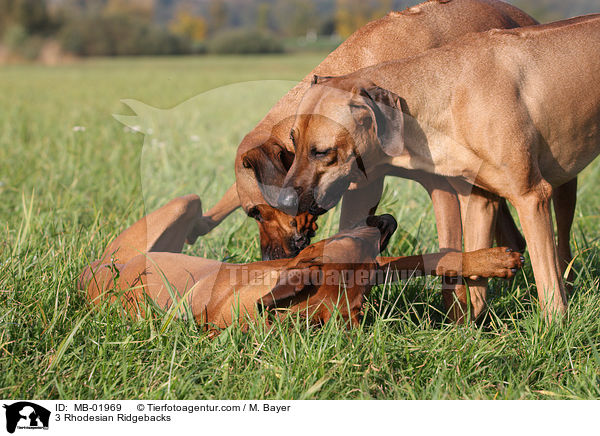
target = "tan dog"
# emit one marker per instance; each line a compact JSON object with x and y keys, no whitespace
{"x":265,"y":154}
{"x":515,"y":112}
{"x":145,"y":262}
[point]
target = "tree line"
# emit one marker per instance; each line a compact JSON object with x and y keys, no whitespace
{"x":155,"y":27}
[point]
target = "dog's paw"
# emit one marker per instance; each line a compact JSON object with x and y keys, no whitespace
{"x":386,"y":224}
{"x":306,"y":224}
{"x":201,"y":227}
{"x":494,"y":262}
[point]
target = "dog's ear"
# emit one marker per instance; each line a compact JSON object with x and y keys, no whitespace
{"x":381,"y":110}
{"x":270,"y":163}
{"x":293,"y":284}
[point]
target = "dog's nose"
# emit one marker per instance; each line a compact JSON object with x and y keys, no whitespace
{"x":288,"y":201}
{"x":301,"y":241}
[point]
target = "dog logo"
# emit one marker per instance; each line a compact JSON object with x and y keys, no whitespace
{"x":206,"y":128}
{"x":26,"y":415}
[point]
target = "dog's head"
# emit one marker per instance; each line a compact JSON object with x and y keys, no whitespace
{"x":282,"y":235}
{"x":264,"y":166}
{"x":342,"y":128}
{"x":333,"y":272}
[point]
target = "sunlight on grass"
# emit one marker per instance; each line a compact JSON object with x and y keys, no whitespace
{"x":70,"y":180}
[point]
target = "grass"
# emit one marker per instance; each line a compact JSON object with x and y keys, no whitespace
{"x":64,"y":194}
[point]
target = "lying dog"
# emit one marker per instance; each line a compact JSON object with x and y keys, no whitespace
{"x":515,"y":112}
{"x":145,"y":261}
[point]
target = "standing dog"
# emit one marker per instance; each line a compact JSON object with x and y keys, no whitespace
{"x":266,"y":153}
{"x":145,"y":262}
{"x":515,"y":112}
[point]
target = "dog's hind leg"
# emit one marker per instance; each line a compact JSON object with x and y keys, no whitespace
{"x":507,"y":232}
{"x":565,"y":199}
{"x":165,"y":229}
{"x":533,"y":207}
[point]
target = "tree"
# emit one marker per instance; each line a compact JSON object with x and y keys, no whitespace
{"x":188,"y":25}
{"x":139,"y":8}
{"x":304,"y":17}
{"x":295,"y":17}
{"x":350,"y":15}
{"x":263,"y":14}
{"x":218,"y":14}
{"x":31,"y":15}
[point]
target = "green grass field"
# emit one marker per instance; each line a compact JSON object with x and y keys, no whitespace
{"x":65,"y":192}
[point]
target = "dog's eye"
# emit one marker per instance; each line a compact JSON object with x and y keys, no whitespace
{"x":255,"y":213}
{"x":320,"y":153}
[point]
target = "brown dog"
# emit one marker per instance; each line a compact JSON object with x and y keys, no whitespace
{"x":515,"y":112}
{"x":145,"y":262}
{"x":265,"y":154}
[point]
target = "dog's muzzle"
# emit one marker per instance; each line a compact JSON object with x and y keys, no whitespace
{"x":288,"y":201}
{"x":300,"y":242}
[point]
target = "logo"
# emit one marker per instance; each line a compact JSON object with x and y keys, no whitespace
{"x":26,"y":415}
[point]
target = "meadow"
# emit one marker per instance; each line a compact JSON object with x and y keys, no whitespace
{"x":72,"y":176}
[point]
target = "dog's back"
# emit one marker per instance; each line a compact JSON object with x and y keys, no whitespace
{"x":549,"y":77}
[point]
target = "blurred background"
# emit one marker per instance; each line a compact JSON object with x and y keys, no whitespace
{"x":54,"y":31}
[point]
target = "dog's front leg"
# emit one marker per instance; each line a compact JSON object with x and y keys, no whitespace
{"x":533,"y":208}
{"x":213,"y":217}
{"x":448,"y":222}
{"x":479,"y":210}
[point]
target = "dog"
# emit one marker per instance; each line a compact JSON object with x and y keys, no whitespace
{"x":145,"y":261}
{"x":514,"y":112}
{"x":265,"y":154}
